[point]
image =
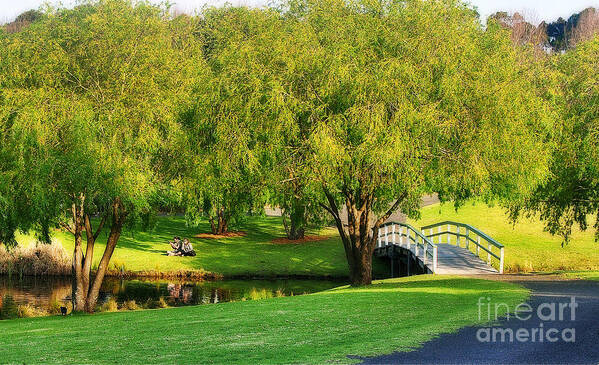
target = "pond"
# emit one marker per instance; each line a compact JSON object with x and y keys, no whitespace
{"x":45,"y":291}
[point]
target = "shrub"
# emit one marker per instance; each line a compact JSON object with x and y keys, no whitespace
{"x":29,"y":311}
{"x":54,"y":307}
{"x":256,"y":294}
{"x":156,"y":303}
{"x":130,"y":305}
{"x":109,"y":306}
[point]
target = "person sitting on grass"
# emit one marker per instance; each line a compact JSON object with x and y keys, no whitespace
{"x":187,"y":248}
{"x":181,"y":247}
{"x":176,"y":245}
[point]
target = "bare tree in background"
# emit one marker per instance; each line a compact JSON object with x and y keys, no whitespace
{"x":587,"y":26}
{"x":523,"y":28}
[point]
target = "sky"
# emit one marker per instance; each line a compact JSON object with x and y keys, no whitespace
{"x":535,"y":10}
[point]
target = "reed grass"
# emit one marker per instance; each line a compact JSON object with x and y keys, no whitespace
{"x":36,"y":259}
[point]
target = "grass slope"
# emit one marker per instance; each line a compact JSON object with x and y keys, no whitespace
{"x":390,"y":315}
{"x":527,"y":247}
{"x":252,"y":255}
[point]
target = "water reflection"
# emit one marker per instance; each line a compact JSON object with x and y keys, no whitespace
{"x":44,"y":292}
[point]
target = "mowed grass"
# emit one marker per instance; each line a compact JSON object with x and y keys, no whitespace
{"x":528,"y":247}
{"x":584,"y":275}
{"x":390,"y":315}
{"x":252,"y":255}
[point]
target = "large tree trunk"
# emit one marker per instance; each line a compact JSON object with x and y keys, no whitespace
{"x":89,"y":252}
{"x":78,"y":296}
{"x":113,"y":238}
{"x":359,"y":237}
{"x":359,"y":241}
{"x":361,"y":267}
{"x":220,"y":223}
{"x":84,"y":295}
{"x":78,"y":291}
{"x":296,"y":228}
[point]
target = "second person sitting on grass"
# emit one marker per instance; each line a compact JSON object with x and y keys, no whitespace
{"x":181,"y":247}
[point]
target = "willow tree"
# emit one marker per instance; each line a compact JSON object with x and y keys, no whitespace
{"x":570,"y":195}
{"x":88,"y":100}
{"x":225,"y":123}
{"x":403,"y":98}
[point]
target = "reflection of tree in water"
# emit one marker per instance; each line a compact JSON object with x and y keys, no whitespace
{"x":41,"y":292}
{"x":197,"y":294}
{"x":38,"y":292}
{"x":8,"y":307}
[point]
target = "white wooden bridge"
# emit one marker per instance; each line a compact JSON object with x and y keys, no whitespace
{"x":441,"y":248}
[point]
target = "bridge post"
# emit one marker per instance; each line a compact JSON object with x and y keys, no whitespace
{"x":501,"y":255}
{"x":477,"y":245}
{"x":457,"y":237}
{"x":489,"y":254}
{"x":435,"y":259}
{"x":379,"y":238}
{"x":415,"y":242}
{"x":393,"y":234}
{"x":386,"y":236}
{"x":467,"y":238}
{"x":448,"y":234}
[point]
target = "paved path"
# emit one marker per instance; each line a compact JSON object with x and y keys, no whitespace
{"x":464,"y":347}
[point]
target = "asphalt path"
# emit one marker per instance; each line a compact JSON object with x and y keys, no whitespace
{"x":573,"y":339}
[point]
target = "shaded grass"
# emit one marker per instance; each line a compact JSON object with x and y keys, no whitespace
{"x":390,"y":315}
{"x":251,"y":255}
{"x":528,"y":247}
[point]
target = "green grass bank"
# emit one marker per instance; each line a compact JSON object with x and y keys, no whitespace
{"x":584,"y":275}
{"x":390,"y":315}
{"x":528,"y":247}
{"x":253,"y":255}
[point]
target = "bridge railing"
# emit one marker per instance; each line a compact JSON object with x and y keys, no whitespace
{"x":465,"y":234}
{"x":404,"y":235}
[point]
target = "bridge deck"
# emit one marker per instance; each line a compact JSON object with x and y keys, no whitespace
{"x":460,"y":261}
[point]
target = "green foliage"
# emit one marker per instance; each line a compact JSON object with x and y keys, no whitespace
{"x":570,"y":194}
{"x":227,"y":121}
{"x":88,"y":103}
{"x":318,"y":328}
{"x":401,"y":102}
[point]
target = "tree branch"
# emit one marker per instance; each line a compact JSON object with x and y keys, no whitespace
{"x":67,"y":227}
{"x":390,"y":211}
{"x":100,"y":226}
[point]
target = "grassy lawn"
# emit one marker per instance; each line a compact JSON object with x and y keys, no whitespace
{"x":390,"y":315}
{"x":252,"y":255}
{"x":585,"y":275}
{"x":527,"y":247}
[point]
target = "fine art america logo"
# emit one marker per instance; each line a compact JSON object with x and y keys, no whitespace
{"x":548,"y":322}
